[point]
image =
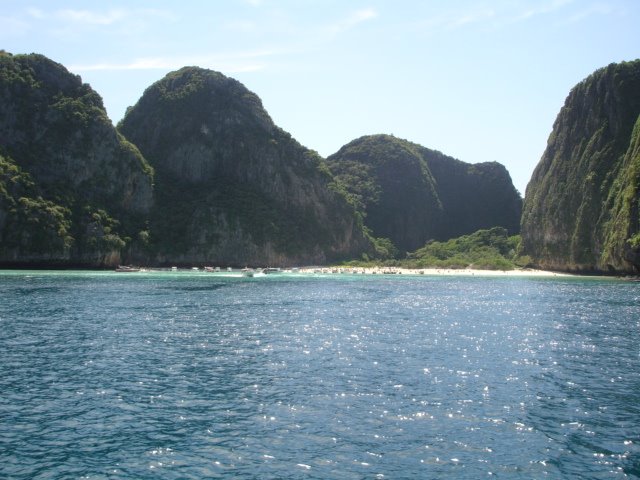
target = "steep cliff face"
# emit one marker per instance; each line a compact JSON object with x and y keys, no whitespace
{"x":231,"y":186}
{"x":392,"y":186}
{"x":411,"y":194}
{"x":622,"y":231}
{"x":72,"y":189}
{"x":581,"y":205}
{"x":475,"y":196}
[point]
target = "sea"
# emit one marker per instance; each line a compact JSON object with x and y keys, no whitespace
{"x":194,"y":375}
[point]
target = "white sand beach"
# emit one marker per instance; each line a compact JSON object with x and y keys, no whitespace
{"x":524,"y":272}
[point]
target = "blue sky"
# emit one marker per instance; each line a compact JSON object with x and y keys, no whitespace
{"x":477,"y":80}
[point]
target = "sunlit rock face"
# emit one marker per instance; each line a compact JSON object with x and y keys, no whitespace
{"x":232,"y":187}
{"x":581,"y":206}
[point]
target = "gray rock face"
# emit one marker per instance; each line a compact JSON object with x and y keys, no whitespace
{"x":581,"y":206}
{"x":411,"y":194}
{"x":231,"y":187}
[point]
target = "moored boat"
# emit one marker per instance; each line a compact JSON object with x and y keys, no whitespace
{"x":247,"y":272}
{"x":269,"y":270}
{"x":127,"y":268}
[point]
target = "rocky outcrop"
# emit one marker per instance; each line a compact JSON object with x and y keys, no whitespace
{"x":581,"y":206}
{"x":410,"y":194}
{"x":232,"y":187}
{"x":73,"y":191}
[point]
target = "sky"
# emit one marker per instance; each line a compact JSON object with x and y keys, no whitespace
{"x":477,"y":80}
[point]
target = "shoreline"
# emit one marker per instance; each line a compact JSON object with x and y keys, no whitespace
{"x":336,"y":270}
{"x":462,"y":272}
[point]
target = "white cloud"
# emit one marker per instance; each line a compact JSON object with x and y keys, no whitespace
{"x":353,"y":19}
{"x":473,"y":17}
{"x":35,"y":13}
{"x":68,"y":24}
{"x":249,"y":61}
{"x":139,"y":64}
{"x":94,"y":18}
{"x":598,"y":9}
{"x":541,"y":9}
{"x":167,"y":64}
{"x":363,"y":15}
{"x":489,"y":14}
{"x":97,"y":17}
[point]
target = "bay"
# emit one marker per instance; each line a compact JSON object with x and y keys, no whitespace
{"x":196,"y":375}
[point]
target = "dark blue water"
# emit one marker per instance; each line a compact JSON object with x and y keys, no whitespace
{"x":135,"y":376}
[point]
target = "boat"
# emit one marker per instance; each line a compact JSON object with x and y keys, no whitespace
{"x":247,"y":272}
{"x":127,"y":268}
{"x":269,"y":270}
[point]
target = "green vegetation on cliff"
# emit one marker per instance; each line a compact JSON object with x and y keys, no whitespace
{"x":29,"y":224}
{"x":72,"y":190}
{"x":410,"y":194}
{"x":622,"y":230}
{"x":581,"y":205}
{"x":491,"y":249}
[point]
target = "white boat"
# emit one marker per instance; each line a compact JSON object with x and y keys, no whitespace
{"x":127,"y":268}
{"x":247,"y":272}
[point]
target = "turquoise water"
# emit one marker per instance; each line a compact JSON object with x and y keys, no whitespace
{"x":186,"y":375}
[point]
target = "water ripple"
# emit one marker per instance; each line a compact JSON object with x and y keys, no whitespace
{"x":185,"y":376}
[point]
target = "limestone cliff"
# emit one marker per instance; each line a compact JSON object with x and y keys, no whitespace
{"x":581,"y":205}
{"x":411,"y":194}
{"x":232,"y":187}
{"x":73,"y":191}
